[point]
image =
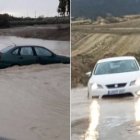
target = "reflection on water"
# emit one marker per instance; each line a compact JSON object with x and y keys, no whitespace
{"x":92,"y":133}
{"x":137,"y":110}
{"x":116,"y":118}
{"x":137,"y":113}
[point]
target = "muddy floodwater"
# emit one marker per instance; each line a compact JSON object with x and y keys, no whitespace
{"x":59,"y":47}
{"x":34,"y":100}
{"x":110,"y":118}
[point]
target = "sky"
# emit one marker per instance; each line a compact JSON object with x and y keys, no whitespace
{"x":29,"y":7}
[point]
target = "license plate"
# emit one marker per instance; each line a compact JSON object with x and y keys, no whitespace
{"x":113,"y":92}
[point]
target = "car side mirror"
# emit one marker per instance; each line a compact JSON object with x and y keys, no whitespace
{"x":88,"y":73}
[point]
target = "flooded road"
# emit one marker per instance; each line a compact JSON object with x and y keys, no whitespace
{"x":34,"y":100}
{"x":116,"y":118}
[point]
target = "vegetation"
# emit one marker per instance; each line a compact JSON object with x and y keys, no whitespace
{"x":10,"y":21}
{"x":7,"y":20}
{"x":64,"y":7}
{"x":4,"y":20}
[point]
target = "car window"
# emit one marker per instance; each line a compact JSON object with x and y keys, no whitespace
{"x":26,"y":51}
{"x":116,"y":67}
{"x":5,"y":50}
{"x":15,"y":52}
{"x":42,"y":52}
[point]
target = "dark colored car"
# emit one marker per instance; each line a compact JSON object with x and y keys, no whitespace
{"x":26,"y":55}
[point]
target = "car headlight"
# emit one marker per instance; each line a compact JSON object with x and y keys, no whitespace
{"x":96,"y":86}
{"x":135,"y":82}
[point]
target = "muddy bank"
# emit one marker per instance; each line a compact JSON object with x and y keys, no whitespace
{"x":48,"y":32}
{"x":105,"y":119}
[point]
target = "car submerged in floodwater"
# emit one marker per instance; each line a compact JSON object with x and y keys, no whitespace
{"x":113,"y":76}
{"x":26,"y":55}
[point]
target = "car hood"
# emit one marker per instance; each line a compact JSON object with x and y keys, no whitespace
{"x":115,"y":78}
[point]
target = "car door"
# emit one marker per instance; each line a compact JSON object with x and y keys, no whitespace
{"x":27,"y":56}
{"x":45,"y":56}
{"x":13,"y":57}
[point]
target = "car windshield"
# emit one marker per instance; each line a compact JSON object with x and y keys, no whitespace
{"x":4,"y":50}
{"x":116,"y":67}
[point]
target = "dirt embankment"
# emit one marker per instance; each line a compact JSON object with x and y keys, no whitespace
{"x":91,"y":43}
{"x":48,"y":32}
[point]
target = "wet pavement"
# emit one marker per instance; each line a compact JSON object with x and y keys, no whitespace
{"x":110,"y":118}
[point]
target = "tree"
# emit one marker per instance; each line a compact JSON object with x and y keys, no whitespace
{"x":64,"y":7}
{"x":4,"y":20}
{"x":68,"y":7}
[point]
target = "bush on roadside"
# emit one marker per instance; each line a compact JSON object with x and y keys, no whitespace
{"x":8,"y":21}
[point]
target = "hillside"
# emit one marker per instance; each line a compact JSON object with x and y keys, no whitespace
{"x":92,"y":8}
{"x":91,"y":43}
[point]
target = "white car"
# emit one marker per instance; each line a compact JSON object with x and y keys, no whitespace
{"x":116,"y":75}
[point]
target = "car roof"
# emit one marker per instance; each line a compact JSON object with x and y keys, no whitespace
{"x":14,"y":46}
{"x":116,"y":59}
{"x":11,"y":47}
{"x":27,"y":46}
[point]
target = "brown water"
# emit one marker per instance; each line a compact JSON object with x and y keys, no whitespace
{"x":34,"y":100}
{"x":60,"y":47}
{"x":116,"y":118}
